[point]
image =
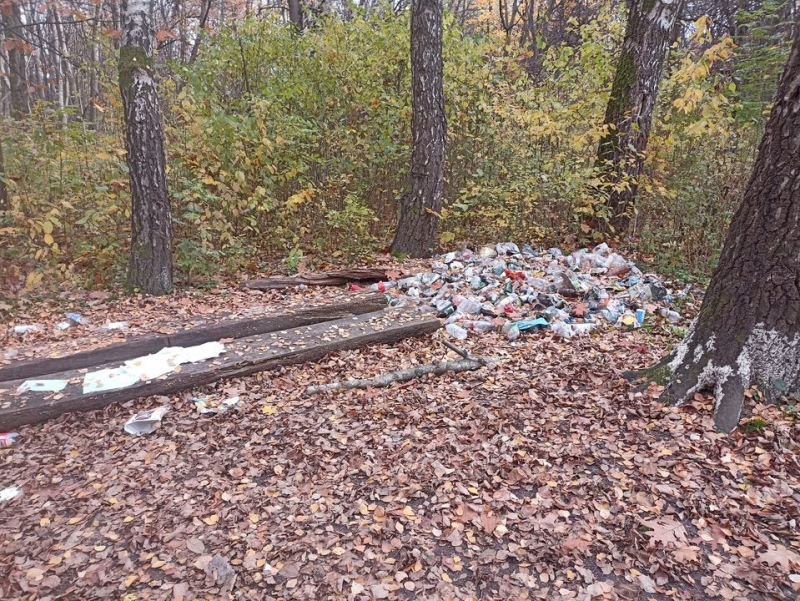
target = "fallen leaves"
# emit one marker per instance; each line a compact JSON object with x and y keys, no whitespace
{"x":545,"y":478}
{"x":781,"y":556}
{"x":665,"y":530}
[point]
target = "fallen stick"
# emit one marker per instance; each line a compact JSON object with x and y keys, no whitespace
{"x":402,"y":375}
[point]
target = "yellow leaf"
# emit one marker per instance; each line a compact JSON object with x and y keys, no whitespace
{"x":254,"y":518}
{"x":48,"y":239}
{"x":130,"y":580}
{"x":47,"y":227}
{"x":44,"y":522}
{"x":113,"y":501}
{"x":128,"y":519}
{"x":446,"y":577}
{"x":269,"y":410}
{"x":212,"y":519}
{"x":75,"y":520}
{"x":338,"y":551}
{"x":157,"y":563}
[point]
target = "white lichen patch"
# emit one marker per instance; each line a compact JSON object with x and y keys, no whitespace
{"x":769,"y":355}
{"x":683,"y":348}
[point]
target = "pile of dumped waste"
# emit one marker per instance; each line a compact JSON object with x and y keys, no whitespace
{"x":503,"y":288}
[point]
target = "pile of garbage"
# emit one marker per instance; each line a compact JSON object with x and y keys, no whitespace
{"x":503,"y":288}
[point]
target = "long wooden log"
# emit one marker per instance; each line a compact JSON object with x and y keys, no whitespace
{"x":328,"y":278}
{"x":242,"y":357}
{"x":227,"y":328}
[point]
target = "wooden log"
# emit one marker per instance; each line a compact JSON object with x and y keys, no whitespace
{"x":328,"y":278}
{"x":227,"y":328}
{"x":242,"y":357}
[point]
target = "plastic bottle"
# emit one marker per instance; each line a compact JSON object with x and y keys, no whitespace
{"x":511,"y":330}
{"x":24,"y":329}
{"x":671,"y":316}
{"x":456,"y":331}
{"x":8,"y":439}
{"x":470,"y":306}
{"x":382,"y":286}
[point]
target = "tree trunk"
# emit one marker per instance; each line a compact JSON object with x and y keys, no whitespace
{"x":296,"y":14}
{"x":150,"y":267}
{"x":4,"y":206}
{"x":201,"y":30}
{"x":748,"y":329}
{"x":620,"y":155}
{"x":418,"y":227}
{"x":19,"y":99}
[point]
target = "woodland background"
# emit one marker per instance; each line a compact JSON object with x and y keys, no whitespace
{"x":287,"y":142}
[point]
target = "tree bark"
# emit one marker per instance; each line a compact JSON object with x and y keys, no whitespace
{"x":296,"y":14}
{"x":150,"y":266}
{"x":19,"y":99}
{"x":418,"y":227}
{"x":620,"y":155}
{"x":747,"y":332}
{"x":3,"y":189}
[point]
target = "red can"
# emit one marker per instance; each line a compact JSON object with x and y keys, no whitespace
{"x":8,"y":439}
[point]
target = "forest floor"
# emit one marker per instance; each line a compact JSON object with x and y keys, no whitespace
{"x":542,"y":477}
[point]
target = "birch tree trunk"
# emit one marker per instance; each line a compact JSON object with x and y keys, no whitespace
{"x":150,"y":266}
{"x":418,"y":227}
{"x":748,"y":329}
{"x":629,"y":113}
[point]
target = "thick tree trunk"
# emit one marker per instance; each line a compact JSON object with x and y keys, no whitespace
{"x":748,"y":330}
{"x":296,"y":14}
{"x":150,"y":267}
{"x":620,"y":155}
{"x":419,"y":211}
{"x":19,"y":99}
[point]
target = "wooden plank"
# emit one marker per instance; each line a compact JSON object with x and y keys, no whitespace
{"x":242,"y":357}
{"x":227,"y":328}
{"x":328,"y":278}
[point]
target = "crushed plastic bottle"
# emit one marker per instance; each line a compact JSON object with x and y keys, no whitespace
{"x":511,"y":330}
{"x":456,"y":331}
{"x":382,"y":286}
{"x":8,"y":439}
{"x":76,"y":319}
{"x":671,"y":316}
{"x":21,"y":330}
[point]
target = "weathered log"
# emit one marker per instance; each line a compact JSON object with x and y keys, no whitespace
{"x":227,"y":328}
{"x":242,"y":357}
{"x":328,"y":278}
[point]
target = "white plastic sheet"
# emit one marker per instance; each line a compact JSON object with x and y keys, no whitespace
{"x":42,"y":386}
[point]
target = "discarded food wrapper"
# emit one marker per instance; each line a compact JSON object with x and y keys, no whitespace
{"x":115,"y":325}
{"x":207,"y":405}
{"x":10,"y":354}
{"x":42,"y":386}
{"x":145,"y":422}
{"x":9,"y":493}
{"x":62,"y":326}
{"x":8,"y":439}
